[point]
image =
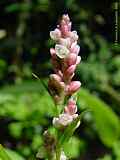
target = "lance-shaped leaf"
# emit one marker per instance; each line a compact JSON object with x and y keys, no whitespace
{"x":7,"y":154}
{"x":3,"y":154}
{"x":107,"y":123}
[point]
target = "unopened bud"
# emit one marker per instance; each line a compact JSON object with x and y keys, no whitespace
{"x":52,"y":52}
{"x":71,"y":59}
{"x":55,"y":77}
{"x":73,"y":87}
{"x":71,"y":108}
{"x":75,"y":48}
{"x":66,"y":18}
{"x":70,"y":71}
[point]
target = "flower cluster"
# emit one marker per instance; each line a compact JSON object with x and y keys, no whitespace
{"x":65,"y":59}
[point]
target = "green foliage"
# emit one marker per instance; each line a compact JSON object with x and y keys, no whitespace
{"x":2,"y":68}
{"x":7,"y":154}
{"x":106,"y":157}
{"x":73,"y":147}
{"x":18,"y":7}
{"x":30,"y":107}
{"x":13,"y":155}
{"x":116,"y":150}
{"x":16,"y":129}
{"x":3,"y":154}
{"x":26,"y":106}
{"x":106,"y":121}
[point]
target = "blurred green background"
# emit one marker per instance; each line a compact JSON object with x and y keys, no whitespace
{"x":26,"y":109}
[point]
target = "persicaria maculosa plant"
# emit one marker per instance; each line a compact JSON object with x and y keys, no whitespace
{"x":64,"y":58}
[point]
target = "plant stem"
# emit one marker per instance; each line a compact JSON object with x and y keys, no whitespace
{"x":58,"y":153}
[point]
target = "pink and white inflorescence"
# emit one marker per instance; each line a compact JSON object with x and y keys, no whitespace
{"x":64,"y":58}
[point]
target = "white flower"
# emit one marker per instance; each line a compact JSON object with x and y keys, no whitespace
{"x":63,"y":156}
{"x":61,"y":51}
{"x":63,"y":120}
{"x":74,"y":36}
{"x":55,"y":35}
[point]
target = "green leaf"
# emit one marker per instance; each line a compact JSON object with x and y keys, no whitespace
{"x":16,"y":129}
{"x":14,"y":155}
{"x":30,"y":94}
{"x":12,"y":7}
{"x":73,"y":147}
{"x":106,"y":121}
{"x":106,"y":157}
{"x":116,"y":149}
{"x":3,"y":154}
{"x":7,"y":154}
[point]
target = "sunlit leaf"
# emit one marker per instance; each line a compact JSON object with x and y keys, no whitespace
{"x":106,"y":121}
{"x":14,"y":155}
{"x":73,"y":146}
{"x":3,"y":154}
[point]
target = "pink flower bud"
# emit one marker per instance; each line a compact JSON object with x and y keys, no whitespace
{"x":73,"y":87}
{"x":71,"y":60}
{"x":59,"y":73}
{"x":56,"y":34}
{"x":71,"y":108}
{"x":69,"y":26}
{"x":70,"y":71}
{"x":52,"y":52}
{"x":55,"y":77}
{"x":75,"y":48}
{"x":64,"y":29}
{"x":65,"y":25}
{"x":66,"y":18}
{"x":71,"y":102}
{"x":55,"y":63}
{"x":64,"y":59}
